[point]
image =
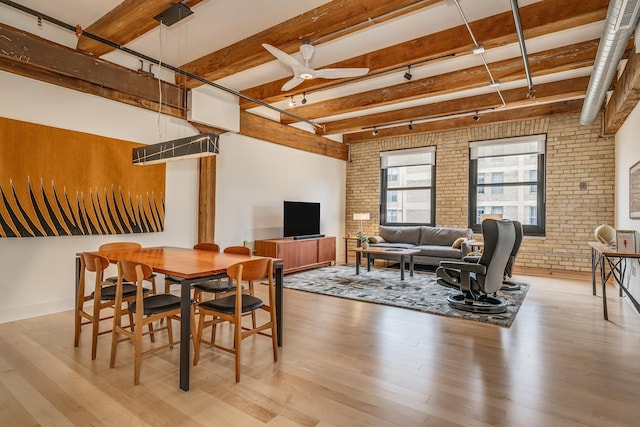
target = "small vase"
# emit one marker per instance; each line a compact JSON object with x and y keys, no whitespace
{"x":365,"y":245}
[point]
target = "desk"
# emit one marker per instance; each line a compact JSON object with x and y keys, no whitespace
{"x":617,"y":262}
{"x":192,"y":266}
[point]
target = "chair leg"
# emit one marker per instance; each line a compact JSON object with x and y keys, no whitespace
{"x":170,"y":331}
{"x":238,"y":344}
{"x":192,"y":321}
{"x":138,"y":356}
{"x":95,"y":326}
{"x":114,"y":345}
{"x":196,"y":346}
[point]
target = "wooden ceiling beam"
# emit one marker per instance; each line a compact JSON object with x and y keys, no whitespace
{"x":258,"y":127}
{"x":537,"y":19}
{"x":327,"y":21}
{"x":27,"y":51}
{"x":625,"y":96}
{"x":125,"y":23}
{"x":501,"y":116}
{"x":542,"y":63}
{"x":547,"y":92}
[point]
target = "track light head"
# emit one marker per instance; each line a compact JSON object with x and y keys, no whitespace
{"x":292,"y":102}
{"x":304,"y":98}
{"x":410,"y":125}
{"x":375,"y":131}
{"x":476,"y":117}
{"x":408,"y":74}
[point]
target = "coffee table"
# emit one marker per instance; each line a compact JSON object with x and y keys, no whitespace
{"x":390,"y":253}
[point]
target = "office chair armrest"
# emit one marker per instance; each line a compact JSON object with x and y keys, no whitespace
{"x":470,"y":267}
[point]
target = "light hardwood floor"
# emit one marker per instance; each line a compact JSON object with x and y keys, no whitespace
{"x":347,"y":363}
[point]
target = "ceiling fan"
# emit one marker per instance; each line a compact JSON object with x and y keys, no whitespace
{"x":302,"y":72}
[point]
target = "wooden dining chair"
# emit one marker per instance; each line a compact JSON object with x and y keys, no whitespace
{"x":242,"y":250}
{"x":145,"y":310}
{"x":103,"y":297}
{"x":123,"y":246}
{"x":232,"y":307}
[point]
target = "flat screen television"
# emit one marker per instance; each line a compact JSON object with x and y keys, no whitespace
{"x":301,"y":219}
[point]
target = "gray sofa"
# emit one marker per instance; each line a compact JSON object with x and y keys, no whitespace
{"x":435,"y":243}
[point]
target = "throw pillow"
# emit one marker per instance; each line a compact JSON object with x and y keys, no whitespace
{"x":458,"y":243}
{"x":376,"y":239}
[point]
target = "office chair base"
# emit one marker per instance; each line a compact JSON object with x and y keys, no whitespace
{"x":485,"y":304}
{"x":510,"y":286}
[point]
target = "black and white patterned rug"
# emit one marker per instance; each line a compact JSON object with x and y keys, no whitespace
{"x":383,"y":286}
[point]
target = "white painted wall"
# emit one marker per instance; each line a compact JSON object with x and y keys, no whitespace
{"x":627,"y":154}
{"x":37,"y":274}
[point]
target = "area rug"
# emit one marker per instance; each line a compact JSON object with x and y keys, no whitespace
{"x":383,"y":286}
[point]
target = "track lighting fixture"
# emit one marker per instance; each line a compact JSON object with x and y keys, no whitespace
{"x":408,"y":74}
{"x":375,"y":131}
{"x":476,"y":117}
{"x":410,"y":125}
{"x":292,"y":102}
{"x":304,"y":98}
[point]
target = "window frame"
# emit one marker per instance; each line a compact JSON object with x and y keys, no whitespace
{"x":384,"y":187}
{"x":540,"y":183}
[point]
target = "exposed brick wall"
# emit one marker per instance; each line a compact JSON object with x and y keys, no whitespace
{"x":575,"y":154}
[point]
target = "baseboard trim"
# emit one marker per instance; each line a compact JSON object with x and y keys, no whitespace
{"x":548,"y":272}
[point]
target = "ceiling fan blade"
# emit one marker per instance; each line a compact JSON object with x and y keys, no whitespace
{"x":339,"y":73}
{"x":291,"y":84}
{"x":283,"y":57}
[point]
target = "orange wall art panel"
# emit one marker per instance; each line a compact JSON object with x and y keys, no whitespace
{"x":57,"y":182}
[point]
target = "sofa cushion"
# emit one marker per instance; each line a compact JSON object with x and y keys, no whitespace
{"x":376,"y":239}
{"x":439,"y":251}
{"x":401,"y":234}
{"x":442,"y":236}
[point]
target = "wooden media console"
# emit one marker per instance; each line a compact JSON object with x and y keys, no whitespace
{"x":299,"y":255}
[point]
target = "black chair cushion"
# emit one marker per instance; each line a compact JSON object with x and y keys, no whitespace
{"x":214,"y":286}
{"x":158,"y":303}
{"x":108,"y":293}
{"x":227,"y":305}
{"x":114,"y":279}
{"x":172,"y":279}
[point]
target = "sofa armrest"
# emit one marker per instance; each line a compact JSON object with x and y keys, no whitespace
{"x":466,"y":247}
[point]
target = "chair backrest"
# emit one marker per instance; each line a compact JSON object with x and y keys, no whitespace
{"x":241,"y":250}
{"x":128,"y":271}
{"x":254,"y":269}
{"x":94,"y":262}
{"x":119,"y":246}
{"x":207,"y":247}
{"x":516,"y":247}
{"x":499,"y":238}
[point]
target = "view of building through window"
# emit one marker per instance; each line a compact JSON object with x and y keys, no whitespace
{"x":507,"y":178}
{"x":407,"y":186}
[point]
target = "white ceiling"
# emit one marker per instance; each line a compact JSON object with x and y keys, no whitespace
{"x":219,"y":23}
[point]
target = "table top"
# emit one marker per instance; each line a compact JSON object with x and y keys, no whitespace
{"x":181,"y":262}
{"x":612,"y":250}
{"x":388,"y":251}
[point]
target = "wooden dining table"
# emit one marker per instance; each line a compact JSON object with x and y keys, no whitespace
{"x":192,"y":265}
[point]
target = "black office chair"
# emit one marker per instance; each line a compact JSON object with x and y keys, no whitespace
{"x":507,"y":284}
{"x":479,"y":281}
{"x":451,"y":278}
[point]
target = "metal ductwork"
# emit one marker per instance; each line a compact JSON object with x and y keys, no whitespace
{"x":622,"y":17}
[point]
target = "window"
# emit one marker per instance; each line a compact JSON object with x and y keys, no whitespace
{"x":507,"y":176}
{"x":407,"y":196}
